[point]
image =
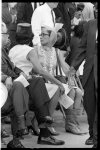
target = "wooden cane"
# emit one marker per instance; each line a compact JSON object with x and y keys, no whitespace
{"x":78,"y":84}
{"x":64,"y":116}
{"x":81,"y":87}
{"x":78,"y":79}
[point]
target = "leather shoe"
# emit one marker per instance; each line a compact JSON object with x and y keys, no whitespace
{"x":52,"y":131}
{"x":94,"y":146}
{"x":22,"y":132}
{"x":15,"y":143}
{"x":89,"y":141}
{"x":50,"y":141}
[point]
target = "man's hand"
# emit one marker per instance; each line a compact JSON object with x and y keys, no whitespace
{"x":62,"y":89}
{"x":8,"y":83}
{"x":72,"y":71}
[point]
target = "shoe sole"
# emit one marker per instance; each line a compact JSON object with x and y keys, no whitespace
{"x":76,"y":133}
{"x":88,"y":143}
{"x":48,"y":143}
{"x":55,"y":134}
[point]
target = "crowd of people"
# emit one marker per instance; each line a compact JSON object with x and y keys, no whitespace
{"x":32,"y":46}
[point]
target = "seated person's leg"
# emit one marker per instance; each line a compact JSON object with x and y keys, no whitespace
{"x":8,"y":108}
{"x":38,"y":96}
{"x":19,"y":97}
{"x":54,"y":101}
{"x":52,"y":106}
{"x":71,"y":94}
{"x":72,"y":121}
{"x":39,"y":103}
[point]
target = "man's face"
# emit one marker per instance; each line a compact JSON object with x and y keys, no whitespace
{"x":5,"y":39}
{"x":5,"y":35}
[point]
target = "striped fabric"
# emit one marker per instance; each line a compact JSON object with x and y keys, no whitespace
{"x":36,"y":4}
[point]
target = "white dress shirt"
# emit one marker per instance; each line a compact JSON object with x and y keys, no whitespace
{"x":18,"y":55}
{"x":33,"y":5}
{"x":88,"y":11}
{"x":41,"y":17}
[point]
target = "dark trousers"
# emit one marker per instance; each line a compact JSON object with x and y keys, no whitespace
{"x":16,"y":105}
{"x":12,"y":34}
{"x":38,"y":98}
{"x":90,"y":101}
{"x":95,"y":135}
{"x":17,"y":100}
{"x":12,"y":37}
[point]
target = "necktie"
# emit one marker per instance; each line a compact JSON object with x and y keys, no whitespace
{"x":53,"y":17}
{"x":13,"y":13}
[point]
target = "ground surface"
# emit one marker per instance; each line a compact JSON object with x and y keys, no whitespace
{"x":71,"y":140}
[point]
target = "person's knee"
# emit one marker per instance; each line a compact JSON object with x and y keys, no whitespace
{"x":79,"y":92}
{"x":37,"y":82}
{"x":18,"y":85}
{"x":41,"y":81}
{"x":72,"y":92}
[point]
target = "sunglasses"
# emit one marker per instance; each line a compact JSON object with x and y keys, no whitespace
{"x":5,"y":33}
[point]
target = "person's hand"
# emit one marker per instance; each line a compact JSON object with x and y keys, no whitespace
{"x":72,"y":71}
{"x":29,"y":77}
{"x":3,"y":77}
{"x":62,"y":89}
{"x":8,"y":83}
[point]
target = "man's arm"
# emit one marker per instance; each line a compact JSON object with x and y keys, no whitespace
{"x":33,"y":58}
{"x":6,"y":17}
{"x":91,"y":13}
{"x":7,"y":70}
{"x":17,"y":70}
{"x":58,"y":12}
{"x":20,"y":12}
{"x":81,"y":50}
{"x":36,"y":26}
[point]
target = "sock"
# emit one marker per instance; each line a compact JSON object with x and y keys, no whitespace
{"x":44,"y":132}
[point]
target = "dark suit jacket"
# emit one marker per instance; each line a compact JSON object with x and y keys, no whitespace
{"x":24,"y":13}
{"x":87,"y":50}
{"x":7,"y":19}
{"x":8,"y":67}
{"x":74,"y":43}
{"x":66,"y":12}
